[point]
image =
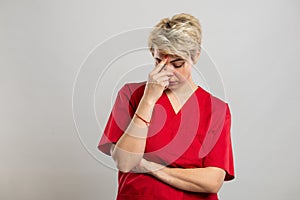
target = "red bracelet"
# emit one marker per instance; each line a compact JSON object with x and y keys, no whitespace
{"x":146,"y":122}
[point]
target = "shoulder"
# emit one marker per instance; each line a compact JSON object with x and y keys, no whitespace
{"x":132,"y":92}
{"x":134,"y":87}
{"x":131,"y":88}
{"x":216,"y":104}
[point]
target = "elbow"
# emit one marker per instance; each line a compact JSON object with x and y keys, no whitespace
{"x":121,"y":164}
{"x":214,"y":186}
{"x":125,"y":161}
{"x":215,"y":181}
{"x":124,"y":164}
{"x":213,"y":189}
{"x":123,"y":167}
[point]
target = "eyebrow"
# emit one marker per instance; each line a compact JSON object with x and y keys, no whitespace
{"x":178,"y":59}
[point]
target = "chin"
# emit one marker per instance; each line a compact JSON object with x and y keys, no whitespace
{"x":173,"y":86}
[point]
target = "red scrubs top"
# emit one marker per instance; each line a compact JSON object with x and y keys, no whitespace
{"x":197,"y":136}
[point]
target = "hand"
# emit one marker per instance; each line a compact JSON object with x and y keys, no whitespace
{"x":147,"y":167}
{"x":158,"y":81}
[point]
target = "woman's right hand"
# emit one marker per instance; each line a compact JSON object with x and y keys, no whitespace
{"x":158,"y":81}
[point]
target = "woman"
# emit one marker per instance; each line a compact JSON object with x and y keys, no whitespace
{"x":170,"y":139}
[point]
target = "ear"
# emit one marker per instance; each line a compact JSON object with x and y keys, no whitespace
{"x":196,"y":57}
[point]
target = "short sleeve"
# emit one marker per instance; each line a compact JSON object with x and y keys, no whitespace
{"x":221,"y":155}
{"x":118,"y":120}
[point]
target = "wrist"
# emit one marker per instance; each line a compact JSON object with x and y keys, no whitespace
{"x":148,"y":100}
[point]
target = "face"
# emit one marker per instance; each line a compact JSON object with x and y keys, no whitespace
{"x":181,"y":68}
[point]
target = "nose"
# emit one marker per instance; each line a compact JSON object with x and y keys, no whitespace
{"x":168,"y":67}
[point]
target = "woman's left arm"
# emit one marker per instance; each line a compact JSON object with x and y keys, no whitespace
{"x":208,"y":179}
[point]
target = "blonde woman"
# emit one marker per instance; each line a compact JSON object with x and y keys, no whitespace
{"x":170,"y":138}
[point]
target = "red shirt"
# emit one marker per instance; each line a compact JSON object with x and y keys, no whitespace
{"x":197,"y":136}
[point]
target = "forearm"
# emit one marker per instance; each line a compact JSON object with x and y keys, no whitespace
{"x":208,"y":180}
{"x":129,"y":149}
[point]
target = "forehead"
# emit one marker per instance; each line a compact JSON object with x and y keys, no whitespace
{"x":160,"y":55}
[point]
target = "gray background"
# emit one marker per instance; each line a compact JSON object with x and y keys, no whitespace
{"x":255,"y":45}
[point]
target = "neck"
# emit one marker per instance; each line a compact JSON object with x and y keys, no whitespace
{"x":185,"y":89}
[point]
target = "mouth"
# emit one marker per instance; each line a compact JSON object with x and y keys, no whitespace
{"x":172,"y":82}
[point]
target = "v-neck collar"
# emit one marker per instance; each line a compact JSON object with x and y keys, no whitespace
{"x":184,"y":105}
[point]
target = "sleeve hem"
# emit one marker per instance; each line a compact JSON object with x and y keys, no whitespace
{"x":229,"y":173}
{"x":105,"y":148}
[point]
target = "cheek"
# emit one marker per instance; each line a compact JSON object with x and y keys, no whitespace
{"x":183,"y":73}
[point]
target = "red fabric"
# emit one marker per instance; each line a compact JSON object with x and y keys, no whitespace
{"x":197,"y":136}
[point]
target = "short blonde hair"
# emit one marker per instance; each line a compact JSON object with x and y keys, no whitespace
{"x":181,"y":35}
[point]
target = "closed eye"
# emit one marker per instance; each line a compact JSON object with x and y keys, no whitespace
{"x":178,"y":65}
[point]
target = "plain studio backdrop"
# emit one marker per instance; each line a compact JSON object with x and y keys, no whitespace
{"x":48,"y":152}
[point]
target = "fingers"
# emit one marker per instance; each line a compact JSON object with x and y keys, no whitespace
{"x":160,"y":65}
{"x":158,"y":81}
{"x":161,"y":78}
{"x":165,"y":84}
{"x":162,"y":74}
